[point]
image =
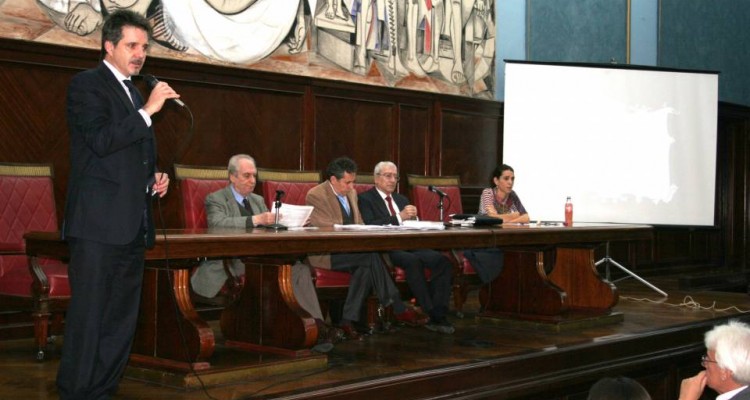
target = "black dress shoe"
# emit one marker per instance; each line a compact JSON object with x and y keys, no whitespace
{"x":350,"y":333}
{"x":334,"y":334}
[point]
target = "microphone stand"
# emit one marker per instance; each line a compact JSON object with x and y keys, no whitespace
{"x":276,"y":226}
{"x":609,"y":261}
{"x":440,"y":206}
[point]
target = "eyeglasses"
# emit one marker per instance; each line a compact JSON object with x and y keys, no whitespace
{"x":705,"y":359}
{"x":389,"y":176}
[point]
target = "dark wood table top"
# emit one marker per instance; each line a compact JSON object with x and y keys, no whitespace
{"x":187,"y":243}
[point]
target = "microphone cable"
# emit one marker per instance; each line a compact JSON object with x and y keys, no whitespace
{"x":178,"y":314}
{"x":170,"y":278}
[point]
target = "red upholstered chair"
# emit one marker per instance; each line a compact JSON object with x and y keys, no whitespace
{"x":364,"y":182}
{"x":195,"y":183}
{"x":295,"y":185}
{"x":427,"y":203}
{"x":30,"y":285}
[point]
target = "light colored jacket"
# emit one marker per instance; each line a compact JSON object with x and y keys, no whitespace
{"x":327,"y":212}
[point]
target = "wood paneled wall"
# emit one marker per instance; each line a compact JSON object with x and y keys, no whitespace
{"x":293,"y":122}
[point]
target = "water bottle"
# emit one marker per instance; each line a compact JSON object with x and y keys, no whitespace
{"x":568,"y":212}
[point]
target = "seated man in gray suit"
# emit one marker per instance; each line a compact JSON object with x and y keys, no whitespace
{"x":236,"y":206}
{"x":335,"y":202}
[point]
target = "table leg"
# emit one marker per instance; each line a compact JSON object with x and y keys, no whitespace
{"x":267,"y":316}
{"x":576,"y":273}
{"x":170,"y":332}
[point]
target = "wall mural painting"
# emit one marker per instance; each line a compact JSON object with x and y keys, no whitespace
{"x":445,"y":46}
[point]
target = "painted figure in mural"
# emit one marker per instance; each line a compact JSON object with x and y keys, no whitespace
{"x":299,"y":31}
{"x":335,"y":9}
{"x":367,"y":37}
{"x":83,"y":17}
{"x":436,"y":19}
{"x":405,"y":37}
{"x":223,"y":30}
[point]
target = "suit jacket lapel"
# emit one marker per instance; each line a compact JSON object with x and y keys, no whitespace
{"x":354,"y":207}
{"x":380,"y":206}
{"x":115,"y":86}
{"x":232,"y":205}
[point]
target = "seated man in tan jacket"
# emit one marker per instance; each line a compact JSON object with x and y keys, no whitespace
{"x":335,"y":202}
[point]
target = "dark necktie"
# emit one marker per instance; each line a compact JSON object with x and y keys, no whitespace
{"x":246,"y":204}
{"x":134,"y":94}
{"x":390,"y":205}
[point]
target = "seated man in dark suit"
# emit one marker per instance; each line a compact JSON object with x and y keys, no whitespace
{"x":381,"y":205}
{"x":335,"y":202}
{"x":236,"y":206}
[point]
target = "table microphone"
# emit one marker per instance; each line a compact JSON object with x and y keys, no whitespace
{"x":436,"y":191}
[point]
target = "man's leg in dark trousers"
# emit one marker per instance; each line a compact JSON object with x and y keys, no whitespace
{"x":106,"y":283}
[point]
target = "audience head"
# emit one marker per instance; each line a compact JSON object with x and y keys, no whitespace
{"x":386,"y":176}
{"x":619,"y":388}
{"x":242,"y":173}
{"x":727,"y":361}
{"x":341,"y":173}
{"x":112,"y":29}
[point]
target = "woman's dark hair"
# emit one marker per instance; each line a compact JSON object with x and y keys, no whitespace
{"x":619,"y":388}
{"x":112,"y":28}
{"x":498,"y":172}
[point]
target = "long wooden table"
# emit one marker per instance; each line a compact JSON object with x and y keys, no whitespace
{"x":267,"y":318}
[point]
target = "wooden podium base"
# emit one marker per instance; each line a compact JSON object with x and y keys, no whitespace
{"x":227,"y":366}
{"x":556,"y":323}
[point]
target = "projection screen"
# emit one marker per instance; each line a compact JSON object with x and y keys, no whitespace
{"x":628,"y":144}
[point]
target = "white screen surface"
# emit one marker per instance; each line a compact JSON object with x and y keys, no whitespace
{"x":628,"y":145}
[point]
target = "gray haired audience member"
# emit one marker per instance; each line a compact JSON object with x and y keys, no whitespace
{"x":726,"y":363}
{"x":619,"y":388}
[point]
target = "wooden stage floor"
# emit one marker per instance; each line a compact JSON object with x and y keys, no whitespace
{"x":658,"y":343}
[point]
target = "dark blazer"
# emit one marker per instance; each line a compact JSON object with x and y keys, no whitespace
{"x":375,"y":211}
{"x":112,"y":153}
{"x":743,"y":395}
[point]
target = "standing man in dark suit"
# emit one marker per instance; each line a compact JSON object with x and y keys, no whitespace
{"x":108,"y":223}
{"x":335,"y":202}
{"x":381,"y":205}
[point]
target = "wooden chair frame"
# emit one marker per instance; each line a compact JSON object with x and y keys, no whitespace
{"x":47,"y":312}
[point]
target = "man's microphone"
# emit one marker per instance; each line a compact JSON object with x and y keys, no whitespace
{"x":152,"y":81}
{"x":279,"y":195}
{"x":436,"y":191}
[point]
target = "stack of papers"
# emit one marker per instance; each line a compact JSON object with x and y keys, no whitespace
{"x":293,"y":216}
{"x":423,"y":225}
{"x":408,"y":225}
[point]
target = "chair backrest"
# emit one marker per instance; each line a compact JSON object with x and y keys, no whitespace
{"x":427,"y":202}
{"x":27,"y":203}
{"x":295,"y":185}
{"x":197,"y":182}
{"x":364,"y":182}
